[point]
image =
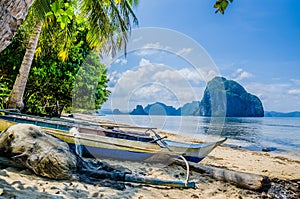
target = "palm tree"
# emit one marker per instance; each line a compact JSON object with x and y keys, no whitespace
{"x":37,"y":12}
{"x":104,"y":18}
{"x":12,"y":14}
{"x":16,"y":95}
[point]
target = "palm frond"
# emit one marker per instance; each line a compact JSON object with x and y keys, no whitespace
{"x":40,"y":8}
{"x":110,"y":23}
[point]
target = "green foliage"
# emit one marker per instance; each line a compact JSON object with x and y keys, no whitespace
{"x":221,"y":5}
{"x":90,"y":85}
{"x":62,"y":16}
{"x":63,"y":13}
{"x":109,"y":22}
{"x":51,"y":81}
{"x":39,"y":9}
{"x":71,"y":30}
{"x":4,"y":92}
{"x":10,"y":61}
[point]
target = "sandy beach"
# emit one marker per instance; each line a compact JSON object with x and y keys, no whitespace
{"x":20,"y":183}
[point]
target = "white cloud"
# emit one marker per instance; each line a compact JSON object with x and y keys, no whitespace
{"x":244,"y":75}
{"x":296,"y":81}
{"x":294,"y":92}
{"x":150,"y":82}
{"x":240,"y":74}
{"x":121,"y":61}
{"x":144,"y":62}
{"x":184,"y":51}
{"x":107,"y":60}
{"x":151,"y":93}
{"x":238,"y":71}
{"x":134,"y":40}
{"x":113,"y":78}
{"x":152,"y":48}
{"x":275,"y":97}
{"x":155,"y":45}
{"x":191,"y":75}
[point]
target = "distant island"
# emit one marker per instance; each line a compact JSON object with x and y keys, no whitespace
{"x":157,"y":108}
{"x":188,"y":108}
{"x":220,"y":95}
{"x":139,"y":110}
{"x":280,"y":114}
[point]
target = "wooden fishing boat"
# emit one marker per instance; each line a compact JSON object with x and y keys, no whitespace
{"x":83,"y":126}
{"x":112,"y":144}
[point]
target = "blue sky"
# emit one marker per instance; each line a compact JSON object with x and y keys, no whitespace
{"x":256,"y":43}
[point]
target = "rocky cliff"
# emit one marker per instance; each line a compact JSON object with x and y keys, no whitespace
{"x":139,"y":110}
{"x":224,"y":97}
{"x":192,"y":109}
{"x":159,"y":108}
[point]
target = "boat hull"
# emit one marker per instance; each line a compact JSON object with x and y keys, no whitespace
{"x":90,"y":145}
{"x":123,"y":155}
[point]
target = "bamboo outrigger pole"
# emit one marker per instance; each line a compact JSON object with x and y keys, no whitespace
{"x":118,"y":176}
{"x":159,"y":182}
{"x":125,"y":177}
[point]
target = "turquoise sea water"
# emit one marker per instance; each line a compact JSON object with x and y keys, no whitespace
{"x":278,"y":133}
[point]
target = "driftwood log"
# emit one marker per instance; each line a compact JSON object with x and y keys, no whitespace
{"x":31,"y":147}
{"x":240,"y":179}
{"x":270,"y":188}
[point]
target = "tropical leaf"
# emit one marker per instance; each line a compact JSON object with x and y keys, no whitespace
{"x":221,"y":5}
{"x":40,"y":8}
{"x":109,"y":23}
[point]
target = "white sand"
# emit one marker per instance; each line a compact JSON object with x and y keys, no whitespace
{"x":16,"y":183}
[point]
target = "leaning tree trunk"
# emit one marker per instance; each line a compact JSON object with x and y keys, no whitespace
{"x":16,"y":95}
{"x":12,"y":14}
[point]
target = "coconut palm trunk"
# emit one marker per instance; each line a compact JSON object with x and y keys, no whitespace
{"x":12,"y":14}
{"x":16,"y":95}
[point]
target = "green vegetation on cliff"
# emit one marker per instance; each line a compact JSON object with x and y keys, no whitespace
{"x":224,"y":97}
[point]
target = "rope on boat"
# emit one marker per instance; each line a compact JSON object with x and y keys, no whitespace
{"x":187,"y":170}
{"x":78,"y":147}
